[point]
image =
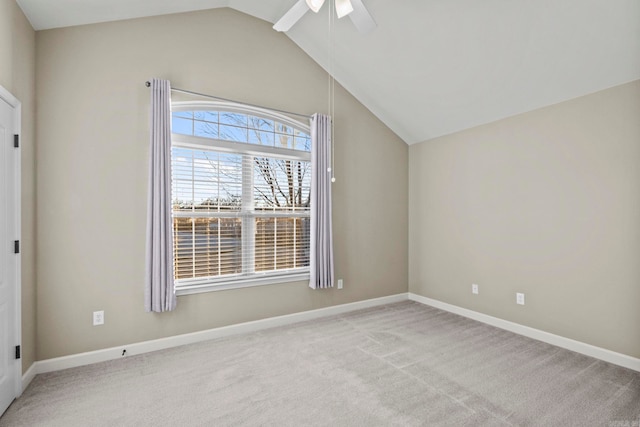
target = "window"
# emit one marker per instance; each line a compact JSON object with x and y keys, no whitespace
{"x":241,"y":179}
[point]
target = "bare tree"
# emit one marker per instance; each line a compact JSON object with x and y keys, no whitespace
{"x":284,"y":179}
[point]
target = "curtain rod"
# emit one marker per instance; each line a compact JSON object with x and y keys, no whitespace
{"x":148,"y":84}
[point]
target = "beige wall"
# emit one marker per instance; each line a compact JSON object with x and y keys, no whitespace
{"x":17,"y":75}
{"x":92,"y":174}
{"x":546,"y":203}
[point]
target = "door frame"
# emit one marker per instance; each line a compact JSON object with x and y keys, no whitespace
{"x":6,"y":96}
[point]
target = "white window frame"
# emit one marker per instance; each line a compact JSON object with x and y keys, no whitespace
{"x":193,"y":286}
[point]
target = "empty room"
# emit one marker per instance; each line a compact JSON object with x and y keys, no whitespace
{"x":320,"y":212}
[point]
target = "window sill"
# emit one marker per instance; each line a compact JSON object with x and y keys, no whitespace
{"x":244,"y":282}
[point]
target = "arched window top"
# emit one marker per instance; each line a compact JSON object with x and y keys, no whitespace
{"x":227,"y":121}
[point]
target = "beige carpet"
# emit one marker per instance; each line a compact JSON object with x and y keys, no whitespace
{"x":404,"y":364}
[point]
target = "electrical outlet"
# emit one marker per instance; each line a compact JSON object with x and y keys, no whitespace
{"x":340,"y":284}
{"x":98,"y":318}
{"x":520,"y":298}
{"x":474,"y":289}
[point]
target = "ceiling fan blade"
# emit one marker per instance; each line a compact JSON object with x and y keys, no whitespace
{"x":343,"y":8}
{"x":292,"y":16}
{"x":315,"y":5}
{"x":361,"y":17}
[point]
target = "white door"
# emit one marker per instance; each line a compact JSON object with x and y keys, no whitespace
{"x":8,"y":263}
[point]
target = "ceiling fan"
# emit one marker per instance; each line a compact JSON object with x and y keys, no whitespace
{"x":356,"y":10}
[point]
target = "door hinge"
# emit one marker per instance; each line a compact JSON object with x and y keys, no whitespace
{"x":16,"y":141}
{"x":18,"y":352}
{"x":16,"y":246}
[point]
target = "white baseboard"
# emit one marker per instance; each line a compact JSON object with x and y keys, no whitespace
{"x":28,"y":376}
{"x":557,"y":340}
{"x":112,"y":353}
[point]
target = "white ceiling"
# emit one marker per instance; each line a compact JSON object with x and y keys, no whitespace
{"x":433,"y":67}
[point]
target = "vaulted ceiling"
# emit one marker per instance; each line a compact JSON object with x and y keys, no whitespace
{"x":434,"y":67}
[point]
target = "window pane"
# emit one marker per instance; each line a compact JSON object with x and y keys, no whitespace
{"x":182,"y":179}
{"x":182,"y":245}
{"x":206,"y":180}
{"x":185,"y":114}
{"x":230,"y":244}
{"x":281,"y":184}
{"x":233,"y":133}
{"x":282,"y":128}
{"x":285,"y":243}
{"x":284,"y":141}
{"x":260,"y":137}
{"x":234,"y":119}
{"x":302,"y":143}
{"x":207,"y":247}
{"x":207,"y":116}
{"x":281,"y":243}
{"x":205,"y":129}
{"x":261,"y":124}
{"x":182,"y":126}
{"x":303,"y":227}
{"x":265,"y":244}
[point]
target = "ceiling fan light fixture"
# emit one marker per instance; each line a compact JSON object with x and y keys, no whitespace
{"x":343,"y":8}
{"x":315,"y":5}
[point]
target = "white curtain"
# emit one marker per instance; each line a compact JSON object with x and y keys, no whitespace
{"x":321,"y":262}
{"x":159,"y":291}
